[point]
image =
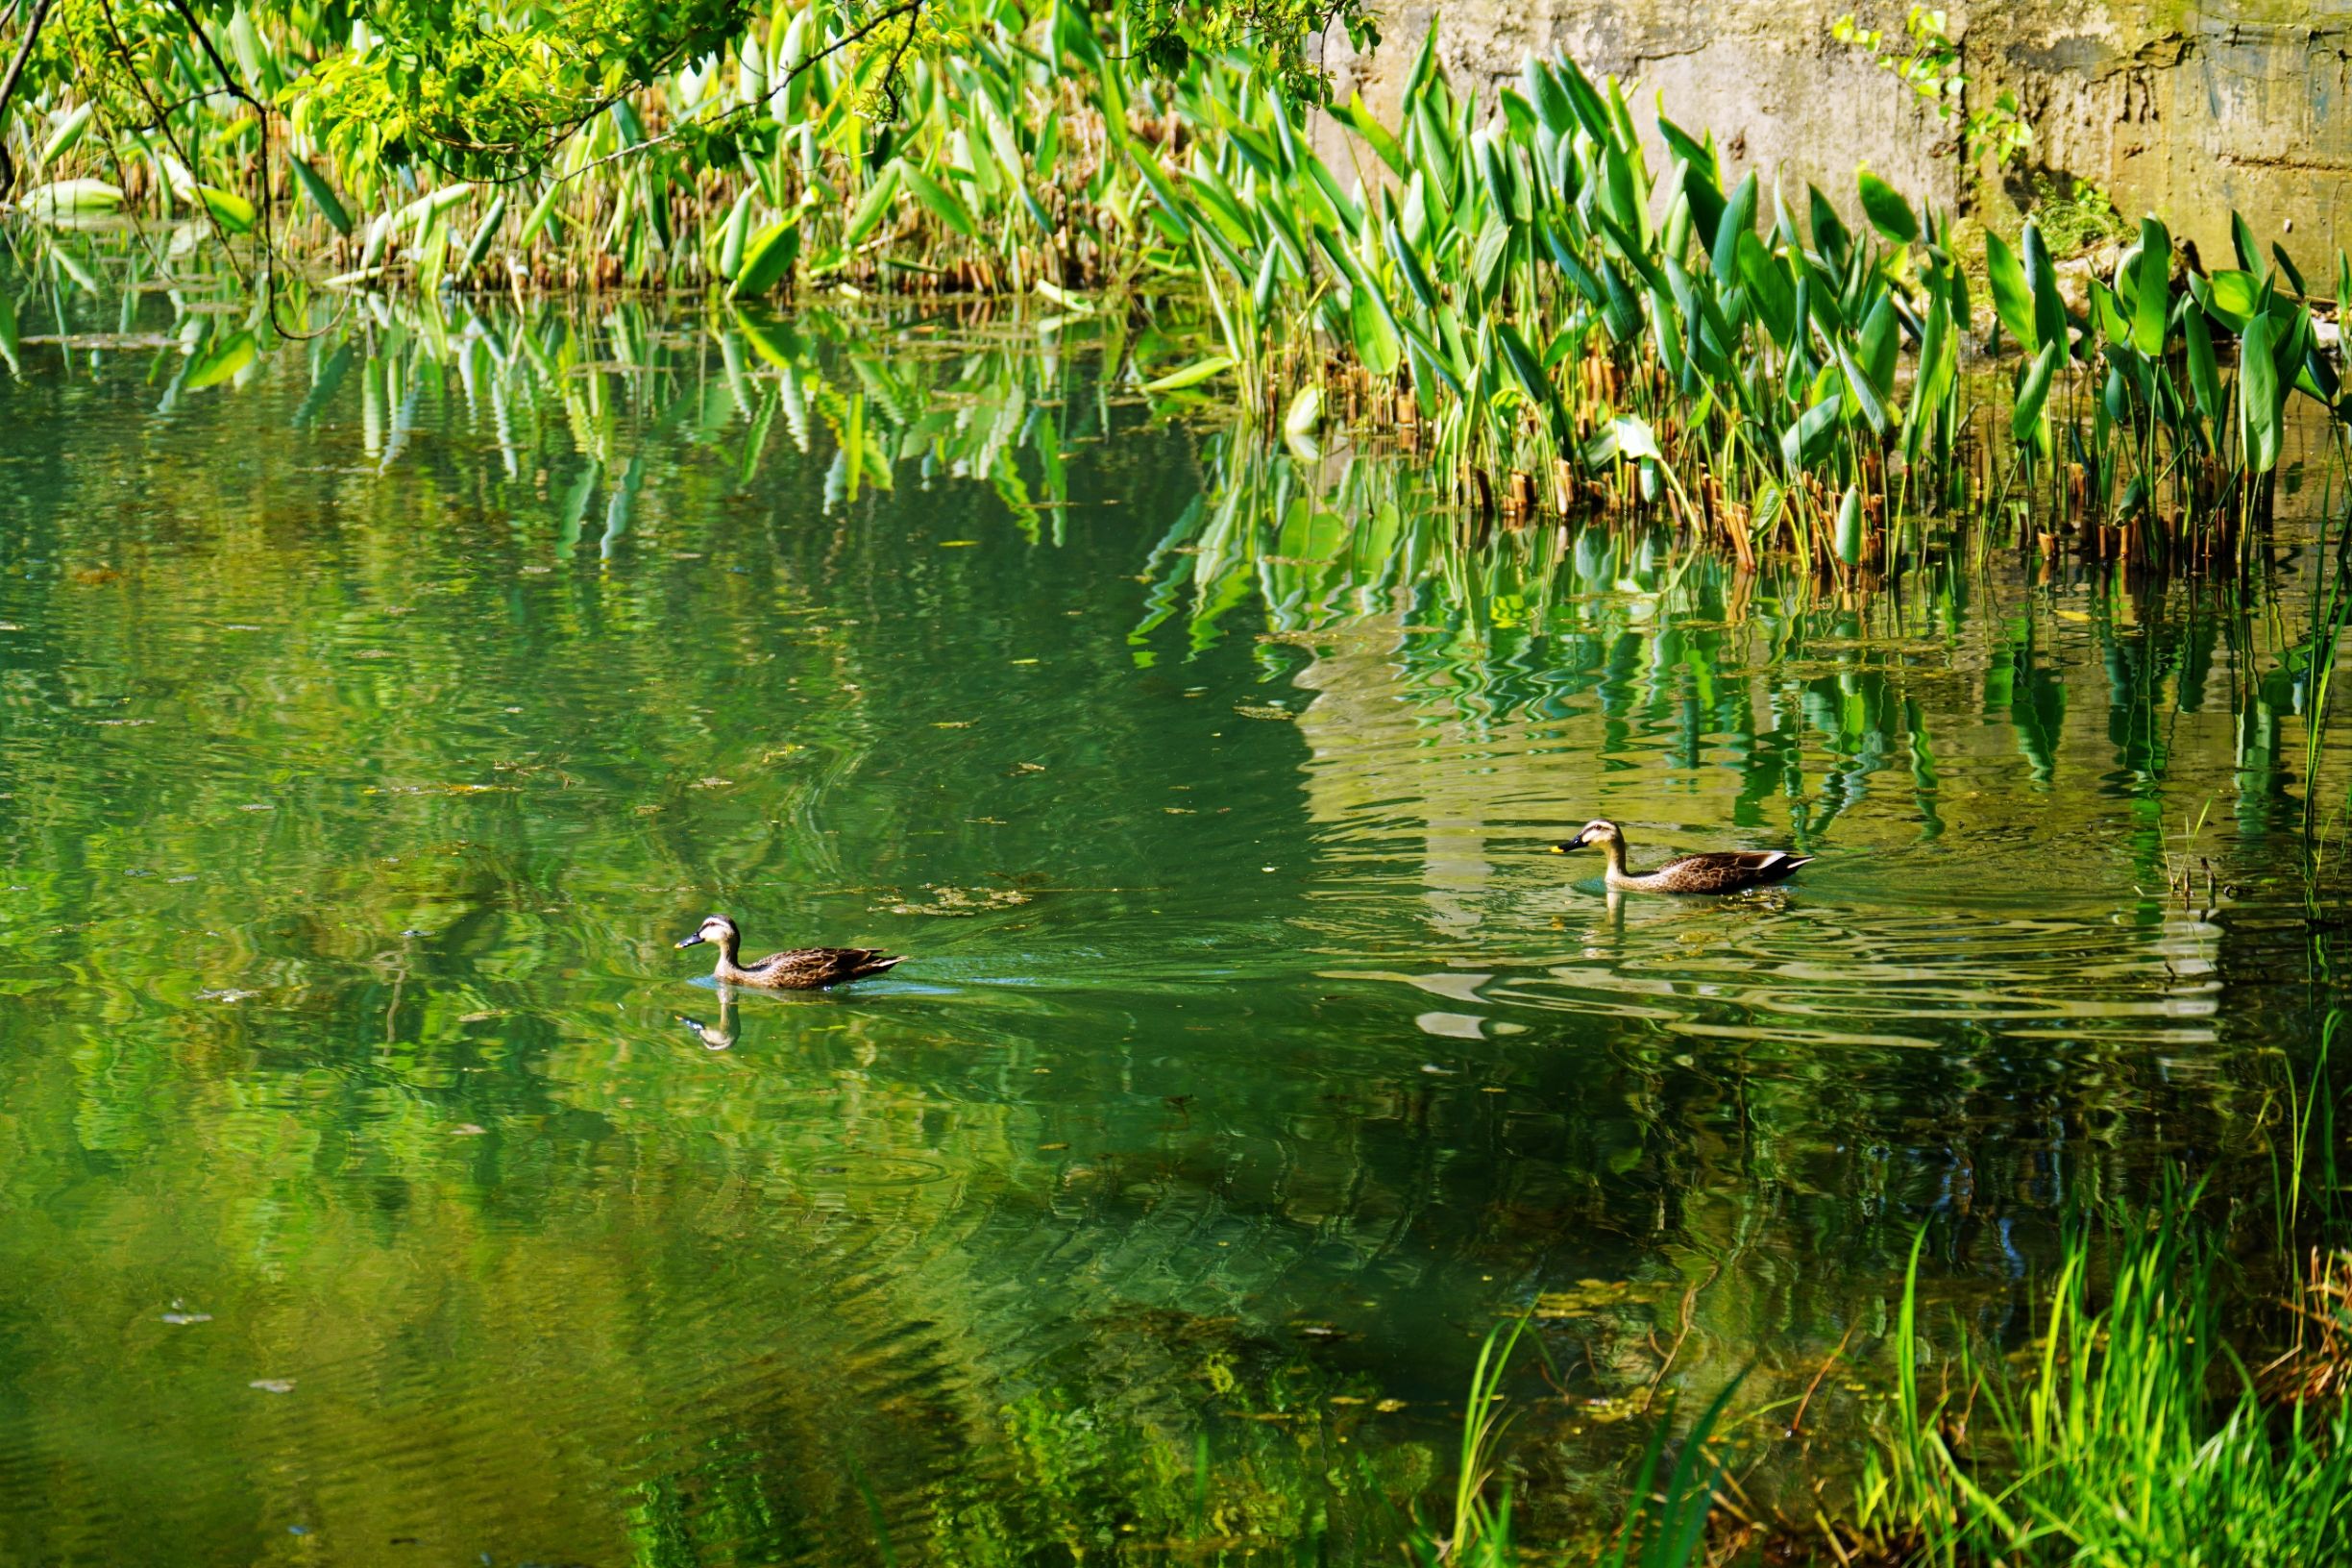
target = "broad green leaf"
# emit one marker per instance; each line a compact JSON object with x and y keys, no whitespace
{"x":1636,"y":439}
{"x":1378,"y":138}
{"x":483,"y":236}
{"x":1769,"y":289}
{"x":738,"y":232}
{"x":322,"y":195}
{"x":870,"y":212}
{"x":1849,"y":526}
{"x":1938,"y":362}
{"x":2033,"y":394}
{"x":1807,"y":441}
{"x":1830,"y":236}
{"x":231,"y":212}
{"x":941,"y":203}
{"x":2233,"y":298}
{"x":1376,"y":341}
{"x":1306,"y":412}
{"x":2107,"y":315}
{"x":2153,"y":311}
{"x":2011,"y":301}
{"x":2042,"y":276}
{"x":1191,"y":374}
{"x":220,"y":363}
{"x":768,"y":258}
{"x":2261,"y":409}
{"x":63,"y":139}
{"x":1867,"y":397}
{"x":1551,"y":100}
{"x":1887,"y":212}
{"x":2204,"y":377}
{"x":1526,"y":369}
{"x":1878,"y":345}
{"x":1738,"y":220}
{"x":66,"y":196}
{"x":1416,"y":278}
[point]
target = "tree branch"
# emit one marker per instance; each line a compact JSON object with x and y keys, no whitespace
{"x":8,"y":90}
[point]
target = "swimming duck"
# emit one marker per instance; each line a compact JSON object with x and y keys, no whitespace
{"x":803,"y":969}
{"x":1726,"y":871}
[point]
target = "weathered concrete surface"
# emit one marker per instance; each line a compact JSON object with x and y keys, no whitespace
{"x":2185,"y":110}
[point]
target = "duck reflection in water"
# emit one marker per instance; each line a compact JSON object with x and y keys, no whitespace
{"x":715,"y":1037}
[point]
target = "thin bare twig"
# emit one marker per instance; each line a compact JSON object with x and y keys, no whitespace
{"x":1796,"y":1422}
{"x":8,"y":88}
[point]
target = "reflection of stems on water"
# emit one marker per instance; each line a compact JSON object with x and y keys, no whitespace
{"x":2330,"y":613}
{"x":1796,"y":1421}
{"x":1690,"y":1300}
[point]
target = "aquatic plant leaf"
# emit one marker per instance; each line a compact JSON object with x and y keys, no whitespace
{"x":2243,"y":241}
{"x":1807,"y":441}
{"x":1591,"y":112}
{"x":2204,"y":377}
{"x":2233,"y":298}
{"x":1849,"y":526}
{"x":63,"y":196}
{"x":1376,"y":340}
{"x":1938,"y":364}
{"x":1738,"y":222}
{"x":1867,"y":396}
{"x":768,"y":259}
{"x":1769,"y":289}
{"x":1191,"y":374}
{"x":2042,"y":276}
{"x":2012,"y":301}
{"x":941,"y":202}
{"x":1887,"y":210}
{"x":1416,"y":278}
{"x":2033,"y":394}
{"x":222,"y":362}
{"x":872,"y":208}
{"x":2260,"y":405}
{"x":1378,"y":138}
{"x":1832,"y":241}
{"x":322,"y":195}
{"x":2106,"y":314}
{"x":68,"y":134}
{"x":1553,"y":109}
{"x":2153,"y":311}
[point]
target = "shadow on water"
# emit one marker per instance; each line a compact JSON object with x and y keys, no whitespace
{"x":375,"y":715}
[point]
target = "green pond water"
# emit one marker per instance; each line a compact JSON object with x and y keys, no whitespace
{"x":377,"y":1183}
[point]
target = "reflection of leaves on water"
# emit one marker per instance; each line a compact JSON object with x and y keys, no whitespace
{"x":1252,"y":710}
{"x":962,"y":901}
{"x":1590,"y":1298}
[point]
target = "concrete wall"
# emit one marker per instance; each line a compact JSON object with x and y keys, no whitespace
{"x":2185,"y":110}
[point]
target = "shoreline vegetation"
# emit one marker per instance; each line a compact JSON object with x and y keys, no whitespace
{"x":1546,"y":320}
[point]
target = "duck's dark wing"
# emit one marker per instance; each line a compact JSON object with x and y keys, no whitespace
{"x":812,"y":966}
{"x":1730,"y":869}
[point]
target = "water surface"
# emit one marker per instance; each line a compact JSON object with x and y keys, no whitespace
{"x":380,"y":1186}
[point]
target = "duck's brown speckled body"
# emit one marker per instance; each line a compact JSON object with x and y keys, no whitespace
{"x":1725,"y":871}
{"x":803,"y":969}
